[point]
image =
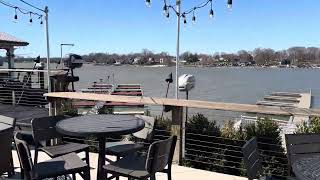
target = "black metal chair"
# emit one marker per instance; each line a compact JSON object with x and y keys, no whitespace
{"x":135,"y":166}
{"x":252,"y":161}
{"x":301,"y":146}
{"x":125,"y":147}
{"x":59,"y":166}
{"x":44,"y":130}
{"x":6,"y":137}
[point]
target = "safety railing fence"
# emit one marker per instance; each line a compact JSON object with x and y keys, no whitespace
{"x":23,"y":87}
{"x":213,"y":143}
{"x":209,"y":139}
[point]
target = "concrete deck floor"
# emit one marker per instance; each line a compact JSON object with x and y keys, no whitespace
{"x":178,"y":172}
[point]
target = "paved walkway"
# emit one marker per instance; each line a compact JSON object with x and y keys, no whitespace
{"x":178,"y":172}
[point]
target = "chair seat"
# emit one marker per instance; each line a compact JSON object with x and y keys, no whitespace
{"x":58,"y":150}
{"x":122,"y":148}
{"x":129,"y":166}
{"x":66,"y":164}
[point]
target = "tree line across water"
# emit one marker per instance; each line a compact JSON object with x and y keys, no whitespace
{"x":298,"y":56}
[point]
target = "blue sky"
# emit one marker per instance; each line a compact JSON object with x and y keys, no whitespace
{"x":124,"y":26}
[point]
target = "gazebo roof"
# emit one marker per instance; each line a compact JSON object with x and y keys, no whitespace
{"x":9,"y":41}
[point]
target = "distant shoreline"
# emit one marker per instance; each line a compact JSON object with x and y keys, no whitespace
{"x":198,"y":66}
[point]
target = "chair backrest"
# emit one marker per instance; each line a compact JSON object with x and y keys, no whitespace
{"x":251,"y":158}
{"x":160,"y":154}
{"x":8,"y":120}
{"x":5,"y":149}
{"x":147,"y":132}
{"x":23,"y":154}
{"x":44,"y":128}
{"x":301,"y":145}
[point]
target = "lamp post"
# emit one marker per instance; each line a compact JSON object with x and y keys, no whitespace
{"x":61,"y":45}
{"x":178,"y":4}
{"x":46,"y":11}
{"x":180,"y":14}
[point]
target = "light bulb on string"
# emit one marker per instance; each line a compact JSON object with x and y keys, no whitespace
{"x":148,"y":3}
{"x":193,"y":18}
{"x":165,"y":9}
{"x":41,"y":22}
{"x":211,"y":13}
{"x":230,"y":4}
{"x":15,"y":15}
{"x":30,"y":20}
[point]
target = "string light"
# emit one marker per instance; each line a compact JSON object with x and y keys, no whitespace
{"x":15,"y":15}
{"x":167,"y":7}
{"x":22,"y":11}
{"x":211,"y":11}
{"x":30,"y":20}
{"x":184,"y":19}
{"x":230,"y":4}
{"x":148,"y":3}
{"x":193,"y":18}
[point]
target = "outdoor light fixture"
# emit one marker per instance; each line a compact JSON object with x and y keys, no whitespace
{"x":148,"y":3}
{"x":183,"y":15}
{"x":167,"y":15}
{"x":165,"y":9}
{"x":15,"y":14}
{"x":193,"y":18}
{"x":211,"y":13}
{"x":229,"y":4}
{"x":41,"y":22}
{"x":30,"y":21}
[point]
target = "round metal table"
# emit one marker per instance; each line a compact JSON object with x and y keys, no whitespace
{"x":307,"y":168}
{"x":100,"y":126}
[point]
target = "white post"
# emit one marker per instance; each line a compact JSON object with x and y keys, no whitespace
{"x":61,"y":55}
{"x":46,"y":10}
{"x":178,"y":3}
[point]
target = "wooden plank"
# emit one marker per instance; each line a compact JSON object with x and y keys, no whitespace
{"x":188,"y":103}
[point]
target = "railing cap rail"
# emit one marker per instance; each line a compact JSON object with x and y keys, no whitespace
{"x":187,"y":103}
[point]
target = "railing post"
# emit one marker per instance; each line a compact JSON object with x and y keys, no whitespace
{"x":13,"y":98}
{"x":176,"y":129}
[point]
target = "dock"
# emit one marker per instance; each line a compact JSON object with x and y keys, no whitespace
{"x":289,"y":100}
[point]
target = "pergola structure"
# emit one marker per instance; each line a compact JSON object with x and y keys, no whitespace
{"x":9,"y":42}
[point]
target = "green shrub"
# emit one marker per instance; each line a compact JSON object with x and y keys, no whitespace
{"x":272,"y":153}
{"x":312,"y":127}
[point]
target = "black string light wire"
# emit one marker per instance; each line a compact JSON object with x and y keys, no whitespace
{"x":192,"y":10}
{"x":22,"y":11}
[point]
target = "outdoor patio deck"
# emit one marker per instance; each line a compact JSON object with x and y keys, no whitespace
{"x":178,"y":173}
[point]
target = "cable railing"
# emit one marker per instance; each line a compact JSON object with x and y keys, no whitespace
{"x":23,"y":88}
{"x":211,"y":141}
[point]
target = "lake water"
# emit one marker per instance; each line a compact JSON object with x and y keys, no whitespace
{"x":236,"y":85}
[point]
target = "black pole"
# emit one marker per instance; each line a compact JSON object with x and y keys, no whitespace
{"x":72,"y":83}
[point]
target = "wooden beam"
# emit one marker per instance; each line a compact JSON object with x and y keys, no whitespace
{"x":188,"y":103}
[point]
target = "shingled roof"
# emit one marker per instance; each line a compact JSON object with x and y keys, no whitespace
{"x":7,"y":41}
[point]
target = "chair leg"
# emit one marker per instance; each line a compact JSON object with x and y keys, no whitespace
{"x":153,"y":177}
{"x":35,"y":161}
{"x":22,"y":174}
{"x":87,"y":157}
{"x":118,"y":158}
{"x":11,"y":173}
{"x":169,"y":173}
{"x":86,"y":174}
